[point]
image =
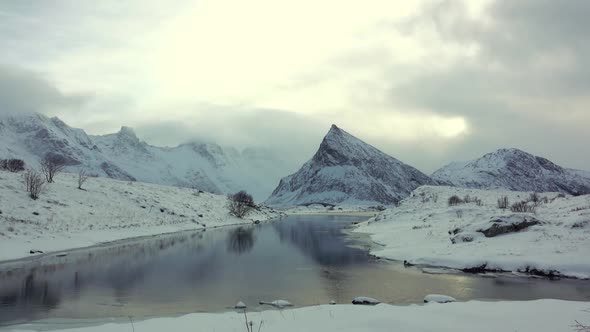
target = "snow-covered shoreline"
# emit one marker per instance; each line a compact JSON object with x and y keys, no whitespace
{"x":107,"y":210}
{"x":533,"y":316}
{"x":421,"y":230}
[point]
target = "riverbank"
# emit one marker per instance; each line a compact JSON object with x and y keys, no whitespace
{"x":65,"y":217}
{"x":475,"y":235}
{"x":527,"y":316}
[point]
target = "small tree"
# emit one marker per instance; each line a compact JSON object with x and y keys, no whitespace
{"x":34,"y":183}
{"x":240,"y":203}
{"x":52,"y":164}
{"x":82,"y":177}
{"x":455,"y":200}
{"x":12,"y":165}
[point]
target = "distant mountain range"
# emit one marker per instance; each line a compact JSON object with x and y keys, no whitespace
{"x":122,"y":155}
{"x":514,"y":169}
{"x":346,"y":170}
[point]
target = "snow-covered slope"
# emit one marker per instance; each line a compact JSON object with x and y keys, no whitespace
{"x":514,"y":169}
{"x":124,"y":156}
{"x":425,"y":230}
{"x":66,"y":217}
{"x":348,"y":170}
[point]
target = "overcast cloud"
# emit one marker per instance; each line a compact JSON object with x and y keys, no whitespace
{"x":428,"y":82}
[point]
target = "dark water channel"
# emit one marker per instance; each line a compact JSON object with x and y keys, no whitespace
{"x":303,"y":259}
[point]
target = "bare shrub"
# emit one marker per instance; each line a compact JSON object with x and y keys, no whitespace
{"x":455,"y":200}
{"x":34,"y":183}
{"x":434,"y":197}
{"x":522,"y":206}
{"x":240,"y":203}
{"x":51,"y":165}
{"x":12,"y":165}
{"x":535,"y":198}
{"x":467,"y":199}
{"x":82,"y":177}
{"x":503,"y":202}
{"x":459,"y":213}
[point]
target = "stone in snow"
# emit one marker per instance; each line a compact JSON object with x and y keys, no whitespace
{"x":437,"y":298}
{"x":332,"y":302}
{"x":278,"y":303}
{"x":240,"y":305}
{"x":365,"y":300}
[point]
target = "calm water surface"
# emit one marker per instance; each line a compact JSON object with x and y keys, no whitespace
{"x":304,"y":259}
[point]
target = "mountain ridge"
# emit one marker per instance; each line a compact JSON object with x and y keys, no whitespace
{"x":345,"y":169}
{"x":122,"y":155}
{"x":514,"y":169}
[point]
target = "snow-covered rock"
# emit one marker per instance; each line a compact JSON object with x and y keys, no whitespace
{"x":65,"y":217}
{"x":424,"y":230}
{"x":278,"y":303}
{"x":240,"y":305}
{"x":364,"y":300}
{"x":124,"y":156}
{"x":437,"y":298}
{"x":346,"y":170}
{"x":514,"y":169}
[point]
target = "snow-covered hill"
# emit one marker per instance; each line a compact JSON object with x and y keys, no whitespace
{"x":350,"y":171}
{"x":124,"y":156}
{"x":425,"y":230}
{"x":514,"y":169}
{"x":66,"y":217}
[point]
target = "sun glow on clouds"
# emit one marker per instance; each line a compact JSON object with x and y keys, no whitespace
{"x":296,"y":56}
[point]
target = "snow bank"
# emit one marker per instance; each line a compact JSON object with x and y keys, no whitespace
{"x":534,"y":316}
{"x":438,"y":298}
{"x":65,"y":217}
{"x":420,"y":231}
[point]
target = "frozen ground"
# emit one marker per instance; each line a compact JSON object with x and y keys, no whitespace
{"x":533,"y":316}
{"x":65,"y":217}
{"x":421,"y":228}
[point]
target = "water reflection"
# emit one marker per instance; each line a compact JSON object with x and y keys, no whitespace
{"x":303,"y":259}
{"x":324,"y":242}
{"x":241,"y":240}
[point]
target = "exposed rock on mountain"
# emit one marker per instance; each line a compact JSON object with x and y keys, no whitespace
{"x":348,"y":170}
{"x":514,"y":169}
{"x":124,"y":156}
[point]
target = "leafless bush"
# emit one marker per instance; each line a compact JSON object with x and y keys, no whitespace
{"x":581,"y":327}
{"x":503,"y":202}
{"x":52,"y":164}
{"x":434,"y":197}
{"x":522,"y":206}
{"x":82,"y":177}
{"x":34,"y":183}
{"x":459,"y":213}
{"x":240,"y":203}
{"x":12,"y":165}
{"x":455,"y":200}
{"x":534,"y":198}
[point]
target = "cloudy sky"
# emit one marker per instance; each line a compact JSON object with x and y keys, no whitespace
{"x":425,"y":81}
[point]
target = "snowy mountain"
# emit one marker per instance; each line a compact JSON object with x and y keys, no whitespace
{"x":124,"y":156}
{"x":514,"y":169}
{"x":348,"y":170}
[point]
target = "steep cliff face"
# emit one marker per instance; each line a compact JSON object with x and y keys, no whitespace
{"x":348,"y":170}
{"x":514,"y":169}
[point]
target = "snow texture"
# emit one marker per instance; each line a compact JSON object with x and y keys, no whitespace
{"x":124,"y":156}
{"x":66,"y":217}
{"x":514,"y":169}
{"x":425,"y":230}
{"x":521,"y":316}
{"x":437,"y":298}
{"x":346,"y":170}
